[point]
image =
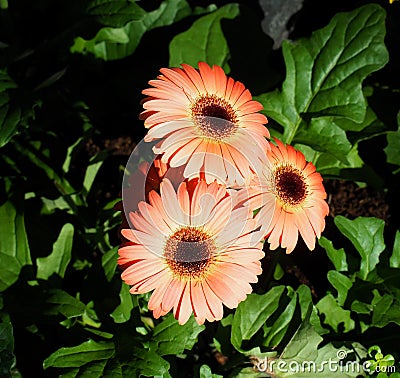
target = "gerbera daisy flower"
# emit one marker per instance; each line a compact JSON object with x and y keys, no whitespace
{"x":195,"y":248}
{"x":147,"y":177}
{"x":207,"y":121}
{"x":293,"y":199}
{"x":137,"y":185}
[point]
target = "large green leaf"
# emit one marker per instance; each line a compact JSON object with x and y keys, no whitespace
{"x":109,"y":262}
{"x":319,"y":135}
{"x":324,"y":74}
{"x":171,"y":338}
{"x":60,"y":302}
{"x":341,"y":283}
{"x":302,"y":357}
{"x":366,"y":234}
{"x":334,"y":314}
{"x":393,"y":141}
{"x":205,"y":372}
{"x":204,"y":41}
{"x":10,"y":115}
{"x":57,"y":262}
{"x":80,"y":355}
{"x":145,"y":363}
{"x":337,"y":160}
{"x":94,"y":369}
{"x":252,"y":313}
{"x":92,"y":169}
{"x":395,"y":258}
{"x":386,"y":309}
{"x":337,"y":256}
{"x":5,"y":81}
{"x":115,"y":13}
{"x":304,"y":344}
{"x":274,"y":333}
{"x":117,"y":43}
{"x":122,"y":313}
{"x":14,"y":249}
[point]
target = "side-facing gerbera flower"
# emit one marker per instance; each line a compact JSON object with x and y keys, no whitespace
{"x":207,"y":121}
{"x":137,"y":185}
{"x":196,"y":248}
{"x":293,"y":199}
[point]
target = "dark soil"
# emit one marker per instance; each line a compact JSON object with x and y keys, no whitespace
{"x":350,"y":200}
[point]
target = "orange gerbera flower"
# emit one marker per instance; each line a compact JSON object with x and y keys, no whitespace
{"x":137,"y":185}
{"x":197,"y":248}
{"x":207,"y":121}
{"x":293,"y":197}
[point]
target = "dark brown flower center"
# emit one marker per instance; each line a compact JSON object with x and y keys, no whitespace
{"x":189,"y":252}
{"x":215,"y":117}
{"x":290,"y":185}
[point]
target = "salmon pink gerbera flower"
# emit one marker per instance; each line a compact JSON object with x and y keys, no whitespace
{"x":207,"y":121}
{"x":147,"y":177}
{"x":293,"y":197}
{"x":197,"y":248}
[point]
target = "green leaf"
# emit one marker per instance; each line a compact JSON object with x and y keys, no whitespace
{"x":252,"y":313}
{"x":334,"y":314}
{"x":69,"y":373}
{"x":278,"y":272}
{"x":123,"y":312}
{"x":328,"y":165}
{"x":205,"y":372}
{"x":302,"y":357}
{"x":395,"y":258}
{"x":63,"y":303}
{"x":117,"y":43}
{"x":361,"y":307}
{"x":172,"y":338}
{"x":275,"y":332}
{"x":204,"y":41}
{"x":80,"y":355}
{"x":10,"y":115}
{"x":305,"y":300}
{"x":115,"y":13}
{"x":249,"y":372}
{"x":113,"y":369}
{"x":145,"y":363}
{"x":386,"y":310}
{"x":14,"y":249}
{"x":366,"y":234}
{"x":341,"y":283}
{"x":7,"y":358}
{"x":91,"y":369}
{"x":57,"y":262}
{"x":319,"y":135}
{"x":393,"y":141}
{"x":50,"y":205}
{"x":303,"y":345}
{"x":92,"y":170}
{"x":337,"y":256}
{"x":6,"y":82}
{"x":91,"y":319}
{"x":324,"y":73}
{"x":109,"y":263}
